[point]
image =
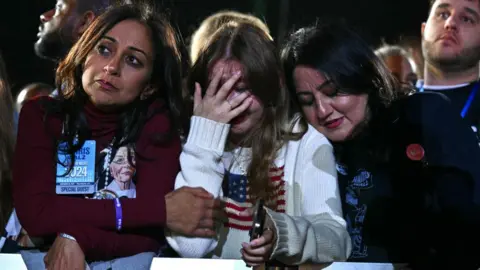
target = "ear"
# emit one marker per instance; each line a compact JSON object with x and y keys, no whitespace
{"x":147,"y":92}
{"x":85,"y":20}
{"x":422,"y":29}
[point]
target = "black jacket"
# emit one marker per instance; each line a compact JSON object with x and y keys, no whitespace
{"x":425,"y":212}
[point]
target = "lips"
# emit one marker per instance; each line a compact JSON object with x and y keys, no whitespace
{"x":448,"y":37}
{"x":107,"y":85}
{"x":333,"y":123}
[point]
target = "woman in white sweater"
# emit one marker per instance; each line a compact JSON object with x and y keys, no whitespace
{"x":242,"y":145}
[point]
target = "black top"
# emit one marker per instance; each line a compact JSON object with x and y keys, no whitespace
{"x":458,"y":97}
{"x":399,"y":209}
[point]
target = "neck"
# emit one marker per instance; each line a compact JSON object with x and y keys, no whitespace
{"x":239,"y":140}
{"x":435,"y":76}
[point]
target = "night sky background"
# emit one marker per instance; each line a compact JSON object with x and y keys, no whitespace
{"x":377,"y":21}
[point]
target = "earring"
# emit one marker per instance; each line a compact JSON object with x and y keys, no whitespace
{"x":146,"y":93}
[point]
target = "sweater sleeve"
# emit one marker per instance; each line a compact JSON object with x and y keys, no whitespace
{"x":98,"y":244}
{"x":42,"y":212}
{"x":319,"y":235}
{"x":200,"y":162}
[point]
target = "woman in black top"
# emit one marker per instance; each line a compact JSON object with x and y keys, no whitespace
{"x":408,"y":166}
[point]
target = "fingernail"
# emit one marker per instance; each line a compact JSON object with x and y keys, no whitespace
{"x":244,"y":245}
{"x":238,"y":73}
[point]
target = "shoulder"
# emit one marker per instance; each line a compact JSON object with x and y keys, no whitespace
{"x":158,"y":120}
{"x":312,"y":143}
{"x":158,"y":133}
{"x":35,"y":110}
{"x":427,"y":109}
{"x":35,"y":121}
{"x":36,"y":105}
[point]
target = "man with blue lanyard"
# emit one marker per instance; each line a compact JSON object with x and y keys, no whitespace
{"x":451,"y":48}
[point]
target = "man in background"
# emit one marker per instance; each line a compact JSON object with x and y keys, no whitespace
{"x":451,"y":48}
{"x":63,"y":25}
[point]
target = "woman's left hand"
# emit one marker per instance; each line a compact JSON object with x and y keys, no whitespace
{"x":64,"y":254}
{"x":259,"y":250}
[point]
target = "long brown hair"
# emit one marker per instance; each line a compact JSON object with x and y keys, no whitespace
{"x":7,"y":144}
{"x":165,"y":80}
{"x":214,"y":22}
{"x":255,"y":50}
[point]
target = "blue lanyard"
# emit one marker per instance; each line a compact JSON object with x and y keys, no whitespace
{"x":467,"y":105}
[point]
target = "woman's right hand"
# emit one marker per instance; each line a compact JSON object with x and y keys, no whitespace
{"x":216,"y":104}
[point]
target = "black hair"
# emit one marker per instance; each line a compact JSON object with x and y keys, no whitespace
{"x":343,"y":57}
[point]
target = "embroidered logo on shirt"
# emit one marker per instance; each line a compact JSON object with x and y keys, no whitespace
{"x":238,"y":199}
{"x":355,"y":215}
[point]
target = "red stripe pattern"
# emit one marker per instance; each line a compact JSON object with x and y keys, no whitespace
{"x":237,"y":198}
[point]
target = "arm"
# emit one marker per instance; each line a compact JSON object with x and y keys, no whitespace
{"x":200,"y":161}
{"x":319,"y":234}
{"x":98,"y":244}
{"x":43,"y":212}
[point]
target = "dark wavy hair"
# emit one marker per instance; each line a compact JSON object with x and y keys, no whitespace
{"x":7,"y":144}
{"x":256,"y":51}
{"x":343,"y":57}
{"x":165,"y":80}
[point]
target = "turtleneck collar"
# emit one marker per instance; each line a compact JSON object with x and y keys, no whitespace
{"x":101,"y":123}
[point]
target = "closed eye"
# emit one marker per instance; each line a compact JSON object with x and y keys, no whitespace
{"x":306,"y":99}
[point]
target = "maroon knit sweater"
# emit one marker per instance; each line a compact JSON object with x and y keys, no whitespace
{"x":43,"y":213}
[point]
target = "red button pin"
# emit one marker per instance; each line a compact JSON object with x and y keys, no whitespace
{"x":415,"y":152}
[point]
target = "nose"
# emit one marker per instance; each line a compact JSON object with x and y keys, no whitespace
{"x":47,"y":16}
{"x":112,"y":67}
{"x":451,"y":23}
{"x":323,"y":108}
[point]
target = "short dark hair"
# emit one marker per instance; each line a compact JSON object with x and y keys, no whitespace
{"x":96,"y":6}
{"x":431,"y":3}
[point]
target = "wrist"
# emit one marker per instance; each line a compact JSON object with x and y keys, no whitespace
{"x":118,"y":214}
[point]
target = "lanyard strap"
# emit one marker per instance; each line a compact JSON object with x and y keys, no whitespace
{"x":467,"y":105}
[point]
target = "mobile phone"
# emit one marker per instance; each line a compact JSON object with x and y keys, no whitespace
{"x":258,"y":220}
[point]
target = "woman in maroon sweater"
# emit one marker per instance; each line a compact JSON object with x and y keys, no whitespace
{"x":94,"y":168}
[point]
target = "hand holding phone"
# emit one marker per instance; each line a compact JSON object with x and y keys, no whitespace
{"x":258,"y":220}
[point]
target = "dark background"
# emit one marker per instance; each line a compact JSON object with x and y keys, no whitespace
{"x":377,"y":20}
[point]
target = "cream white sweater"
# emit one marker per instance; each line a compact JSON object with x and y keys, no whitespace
{"x":312,"y":228}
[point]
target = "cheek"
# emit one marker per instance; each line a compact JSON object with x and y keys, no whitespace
{"x":88,"y":73}
{"x":309,"y":113}
{"x":256,"y":108}
{"x":135,"y":82}
{"x":428,"y":33}
{"x":353,"y":107}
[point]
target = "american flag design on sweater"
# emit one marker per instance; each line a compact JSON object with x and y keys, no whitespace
{"x":237,"y":198}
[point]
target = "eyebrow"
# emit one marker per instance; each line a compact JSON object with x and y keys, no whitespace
{"x":129,"y":47}
{"x":318,"y":88}
{"x":472,"y":12}
{"x":324,"y":84}
{"x":443,"y":5}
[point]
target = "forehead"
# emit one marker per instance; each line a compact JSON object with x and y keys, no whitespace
{"x":132,"y":33}
{"x":307,"y":78}
{"x":229,"y":66}
{"x":472,"y":4}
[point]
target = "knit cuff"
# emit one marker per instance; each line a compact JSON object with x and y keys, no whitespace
{"x":281,"y":231}
{"x":208,"y":134}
